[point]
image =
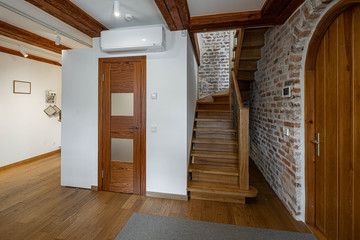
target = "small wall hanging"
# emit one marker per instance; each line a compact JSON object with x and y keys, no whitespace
{"x":50,"y":111}
{"x":22,"y":87}
{"x":50,"y":96}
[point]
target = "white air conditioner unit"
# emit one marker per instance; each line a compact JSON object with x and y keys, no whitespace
{"x":147,"y":39}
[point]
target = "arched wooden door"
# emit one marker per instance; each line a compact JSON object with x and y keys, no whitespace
{"x":333,"y":136}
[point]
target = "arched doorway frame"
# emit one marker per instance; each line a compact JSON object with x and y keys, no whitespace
{"x":310,"y":63}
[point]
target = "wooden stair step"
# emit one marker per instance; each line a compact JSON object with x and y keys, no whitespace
{"x":214,"y":111}
{"x":224,"y":189}
{"x":214,"y":169}
{"x":215,"y":154}
{"x":215,"y":130}
{"x":213,"y":120}
{"x":248,"y":65}
{"x":213,"y":103}
{"x":214,"y":141}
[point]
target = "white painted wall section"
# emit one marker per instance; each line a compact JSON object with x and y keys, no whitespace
{"x":166,"y":150}
{"x":25,"y":130}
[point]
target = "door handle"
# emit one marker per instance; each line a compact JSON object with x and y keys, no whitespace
{"x":134,"y":127}
{"x":317,"y":144}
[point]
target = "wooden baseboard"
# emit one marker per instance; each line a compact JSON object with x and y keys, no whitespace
{"x":167,"y":196}
{"x":94,"y":188}
{"x":29,"y":160}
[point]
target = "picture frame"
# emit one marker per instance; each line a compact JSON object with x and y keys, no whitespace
{"x":21,"y":87}
{"x":50,"y":111}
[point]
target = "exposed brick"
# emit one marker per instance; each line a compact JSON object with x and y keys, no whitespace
{"x":279,"y":156}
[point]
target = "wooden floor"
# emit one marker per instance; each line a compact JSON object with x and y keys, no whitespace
{"x":33,"y":205}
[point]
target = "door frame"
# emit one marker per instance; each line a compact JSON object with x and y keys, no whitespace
{"x":141,"y":59}
{"x":310,"y":68}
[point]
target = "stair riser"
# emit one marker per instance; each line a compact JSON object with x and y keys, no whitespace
{"x":222,"y":99}
{"x":215,"y":178}
{"x":217,"y":197}
{"x":217,"y":161}
{"x":215,"y":147}
{"x":214,"y":107}
{"x":230,"y":136}
{"x":254,"y":53}
{"x":226,"y":124}
{"x":215,"y":115}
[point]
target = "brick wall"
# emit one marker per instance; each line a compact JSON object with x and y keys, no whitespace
{"x":276,"y":123}
{"x":214,"y":62}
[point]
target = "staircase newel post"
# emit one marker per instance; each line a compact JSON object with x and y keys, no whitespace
{"x":243,"y":148}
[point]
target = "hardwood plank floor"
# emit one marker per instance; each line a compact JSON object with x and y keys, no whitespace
{"x":33,"y":205}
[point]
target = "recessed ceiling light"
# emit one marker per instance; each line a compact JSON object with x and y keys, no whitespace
{"x":116,"y":8}
{"x":144,"y":39}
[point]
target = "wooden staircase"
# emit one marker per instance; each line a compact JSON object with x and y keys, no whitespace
{"x":247,"y":53}
{"x":219,"y":159}
{"x":214,"y":166}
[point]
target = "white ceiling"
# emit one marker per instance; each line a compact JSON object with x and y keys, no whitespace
{"x":208,"y":7}
{"x":145,"y":12}
{"x":22,"y":22}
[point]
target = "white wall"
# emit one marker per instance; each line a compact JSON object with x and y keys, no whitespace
{"x":25,"y":130}
{"x":166,"y":151}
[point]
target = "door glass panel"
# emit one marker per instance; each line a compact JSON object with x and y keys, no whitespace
{"x":122,"y":104}
{"x":122,"y":150}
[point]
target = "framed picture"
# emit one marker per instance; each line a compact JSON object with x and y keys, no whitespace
{"x":22,"y":87}
{"x":50,"y":111}
{"x":57,"y":110}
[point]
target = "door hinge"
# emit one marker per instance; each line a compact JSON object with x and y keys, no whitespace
{"x":103,"y":77}
{"x":102,"y":174}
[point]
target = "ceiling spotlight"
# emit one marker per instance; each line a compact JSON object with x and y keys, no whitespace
{"x":58,"y":39}
{"x":23,"y":52}
{"x":116,"y":8}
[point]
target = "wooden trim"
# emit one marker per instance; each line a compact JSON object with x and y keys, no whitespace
{"x":167,"y":196}
{"x":195,"y":45}
{"x":71,"y":14}
{"x":142,"y":124}
{"x":32,"y":57}
{"x":94,"y":188}
{"x":310,"y":64}
{"x":30,"y":160}
{"x":22,"y":35}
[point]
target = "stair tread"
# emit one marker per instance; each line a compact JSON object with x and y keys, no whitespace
{"x":214,"y":111}
{"x":214,"y":119}
{"x":214,"y":169}
{"x":214,"y":103}
{"x":215,"y":154}
{"x":214,"y":141}
{"x":221,"y":189}
{"x":230,"y":130}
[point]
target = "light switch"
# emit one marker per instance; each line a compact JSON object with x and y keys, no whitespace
{"x":154,"y":129}
{"x":154,"y":95}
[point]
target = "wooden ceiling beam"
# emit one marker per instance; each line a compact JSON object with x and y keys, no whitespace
{"x":22,"y":35}
{"x":71,"y":14}
{"x":280,"y":10}
{"x":36,"y":58}
{"x":175,"y":12}
{"x":229,"y":21}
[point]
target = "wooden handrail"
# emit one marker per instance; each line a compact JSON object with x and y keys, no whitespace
{"x":237,"y":90}
{"x":239,"y":43}
{"x":234,"y":83}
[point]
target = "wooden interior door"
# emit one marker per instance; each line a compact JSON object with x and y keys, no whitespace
{"x":122,"y":124}
{"x":337,"y":127}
